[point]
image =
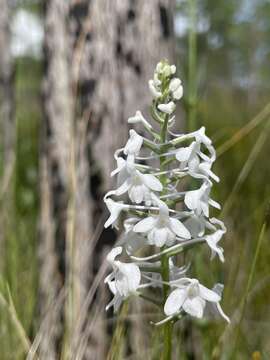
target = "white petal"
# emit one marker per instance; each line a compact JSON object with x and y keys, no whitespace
{"x":139,"y":118}
{"x":173,"y":69}
{"x":133,"y":242}
{"x":113,"y":253}
{"x":160,"y":236}
{"x":152,"y":182}
{"x":195,"y":225}
{"x":201,"y":137}
{"x":192,"y":199}
{"x":178,"y":94}
{"x":206,"y":169}
{"x":123,"y":188}
{"x":132,"y":274}
{"x":214,"y":204}
{"x":154,"y":91}
{"x":175,"y":301}
{"x":163,"y":208}
{"x":183,"y":153}
{"x":145,"y":225}
{"x":167,"y":108}
{"x":222,"y":313}
{"x":174,"y":84}
{"x":205,"y":208}
{"x":136,"y":193}
{"x":121,"y":163}
{"x":134,"y":143}
{"x":112,"y":287}
{"x":194,"y":163}
{"x":194,"y":306}
{"x":179,"y":229}
{"x":115,"y":209}
{"x":218,"y":288}
{"x":208,"y":294}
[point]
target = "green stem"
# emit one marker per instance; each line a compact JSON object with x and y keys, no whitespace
{"x":165,"y":271}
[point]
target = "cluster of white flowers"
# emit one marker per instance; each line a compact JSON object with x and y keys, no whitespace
{"x":164,"y":208}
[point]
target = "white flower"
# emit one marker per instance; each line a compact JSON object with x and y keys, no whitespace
{"x":173,"y":69}
{"x":139,"y":186}
{"x":176,"y":88}
{"x":157,"y":82}
{"x":134,"y":143}
{"x":123,"y":281}
{"x":190,"y":157}
{"x":159,"y":67}
{"x":215,"y":308}
{"x":166,"y":69}
{"x":213,"y":239}
{"x":131,"y":240}
{"x":204,"y":170}
{"x":196,"y":225}
{"x":122,"y":169}
{"x":189,"y":296}
{"x":167,"y":108}
{"x":139,"y":118}
{"x":161,"y":229}
{"x":201,"y":137}
{"x":154,"y":90}
{"x":115,"y":209}
{"x":199,"y":201}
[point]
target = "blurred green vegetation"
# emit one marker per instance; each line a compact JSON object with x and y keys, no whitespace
{"x":20,"y":253}
{"x":233,"y":85}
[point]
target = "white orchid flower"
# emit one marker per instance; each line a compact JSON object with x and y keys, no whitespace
{"x":115,"y":208}
{"x":130,"y":240}
{"x":123,"y":281}
{"x":196,"y":225}
{"x":157,"y":82}
{"x":190,"y":157}
{"x":167,"y":108}
{"x":199,"y":201}
{"x":191,"y":297}
{"x":176,"y":88}
{"x":173,"y":69}
{"x":214,"y":308}
{"x":214,"y":238}
{"x":154,"y":90}
{"x":161,"y":229}
{"x":138,"y":185}
{"x":134,"y":143}
{"x":122,"y":171}
{"x":139,"y":118}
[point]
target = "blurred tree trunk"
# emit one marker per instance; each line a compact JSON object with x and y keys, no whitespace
{"x":7,"y":122}
{"x":54,"y":167}
{"x":117,"y":44}
{"x":99,"y":57}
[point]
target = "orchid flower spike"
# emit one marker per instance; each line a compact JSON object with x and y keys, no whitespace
{"x":162,"y":204}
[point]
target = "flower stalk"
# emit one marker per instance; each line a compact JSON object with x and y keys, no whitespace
{"x":162,"y":216}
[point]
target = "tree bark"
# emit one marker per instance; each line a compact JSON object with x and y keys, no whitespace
{"x":118,"y":44}
{"x":54,"y":165}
